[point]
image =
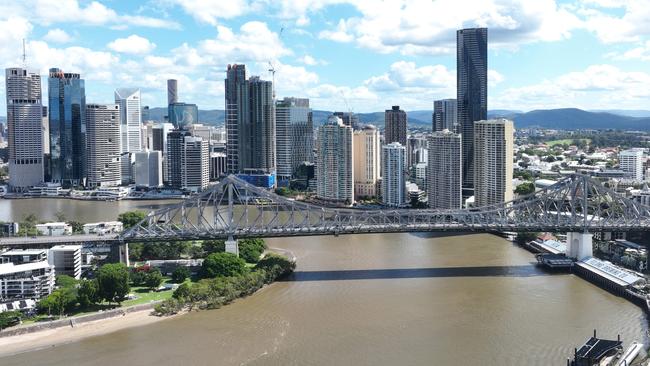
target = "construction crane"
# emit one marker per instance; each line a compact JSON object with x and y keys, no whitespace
{"x":271,"y":66}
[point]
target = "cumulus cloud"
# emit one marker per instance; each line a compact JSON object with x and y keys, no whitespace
{"x":209,"y":11}
{"x":57,"y":35}
{"x":614,"y":28}
{"x":642,"y":52}
{"x":133,"y":44}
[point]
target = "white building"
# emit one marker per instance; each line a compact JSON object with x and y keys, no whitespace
{"x":366,"y":161}
{"x":103,"y":147}
{"x":444,"y":180}
{"x":393,"y":184}
{"x":107,"y":227}
{"x":493,"y":161}
{"x":334,"y":165}
{"x":631,"y":162}
{"x":148,"y":169}
{"x":131,"y":119}
{"x":54,"y":229}
{"x":31,"y":280}
{"x":66,"y":260}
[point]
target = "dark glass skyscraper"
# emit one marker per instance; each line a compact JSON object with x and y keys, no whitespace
{"x":236,"y":105}
{"x":471,"y":77}
{"x":183,"y":115}
{"x":67,"y":102}
{"x":395,"y":125}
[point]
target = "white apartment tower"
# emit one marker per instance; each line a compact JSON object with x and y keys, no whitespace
{"x":393,"y":184}
{"x":367,"y":166}
{"x":25,"y":128}
{"x":493,"y":166}
{"x":631,"y":162}
{"x":131,"y":119}
{"x":334,"y":165}
{"x":444,"y":179}
{"x":103,"y":148}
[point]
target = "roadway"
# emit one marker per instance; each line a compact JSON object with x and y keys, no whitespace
{"x":18,"y":241}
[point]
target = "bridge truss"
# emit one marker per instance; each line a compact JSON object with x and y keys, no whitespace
{"x":236,"y":209}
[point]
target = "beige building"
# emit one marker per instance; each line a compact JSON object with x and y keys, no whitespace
{"x":493,"y":156}
{"x":334,"y":165}
{"x":366,"y":161}
{"x":444,"y":179}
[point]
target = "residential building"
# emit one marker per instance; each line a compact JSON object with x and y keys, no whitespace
{"x":183,"y":115}
{"x":106,"y":227}
{"x":444,"y":173}
{"x":367,"y":166}
{"x":217,"y":165}
{"x":236,"y":104}
{"x":54,"y":228}
{"x":334,"y":163}
{"x":294,"y":136}
{"x":130,"y":119}
{"x":148,"y":169}
{"x":9,"y":228}
{"x":103,"y":149}
{"x":631,"y":162}
{"x":22,"y":256}
{"x":493,"y":157}
{"x":445,"y":115}
{"x":416,"y":146}
{"x":24,"y":128}
{"x":393,"y":183}
{"x":187,"y":161}
{"x":67,"y":112}
{"x":395,"y":126}
{"x":349,"y":119}
{"x":33,"y":280}
{"x":471,"y":83}
{"x":66,"y":260}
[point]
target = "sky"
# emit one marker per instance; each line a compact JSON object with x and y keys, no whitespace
{"x":345,"y":55}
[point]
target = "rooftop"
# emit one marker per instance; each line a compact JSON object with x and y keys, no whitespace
{"x":609,"y":271}
{"x":9,"y":268}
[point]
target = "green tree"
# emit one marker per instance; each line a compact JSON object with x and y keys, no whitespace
{"x":65,"y":281}
{"x":213,"y":246}
{"x":180,"y":274}
{"x":28,"y":225}
{"x":9,"y":319}
{"x":59,"y":301}
{"x":183,"y":291}
{"x":153,"y":279}
{"x":131,"y":218}
{"x":250,"y":250}
{"x":222,"y":265}
{"x":138,"y":277}
{"x":113,"y":282}
{"x":525,"y":188}
{"x":88,"y":293}
{"x":135,"y":251}
{"x":77,"y":227}
{"x":523,"y":238}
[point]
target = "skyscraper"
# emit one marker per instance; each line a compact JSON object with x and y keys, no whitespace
{"x":366,"y":161}
{"x":236,"y":105}
{"x":294,"y":135}
{"x":444,"y":176}
{"x":631,"y":162}
{"x":25,"y":128}
{"x":148,"y":168}
{"x":172,"y":91}
{"x":444,"y":115}
{"x":471,"y":78}
{"x":131,"y":119}
{"x":262,"y":128}
{"x":103,"y":148}
{"x":349,"y":119}
{"x":183,"y":115}
{"x":393,"y":183}
{"x":188,"y":161}
{"x":334,"y":164}
{"x":395,"y":125}
{"x":67,"y":112}
{"x":493,"y":155}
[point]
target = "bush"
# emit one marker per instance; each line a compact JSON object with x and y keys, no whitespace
{"x":153,"y":278}
{"x":250,"y":250}
{"x":222,"y":265}
{"x":113,"y":282}
{"x":88,"y":293}
{"x":275,"y":266}
{"x":180,"y":274}
{"x":169,"y":307}
{"x":10,"y":318}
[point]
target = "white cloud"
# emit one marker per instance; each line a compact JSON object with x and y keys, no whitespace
{"x":340,"y":34}
{"x":57,"y":35}
{"x":610,"y":27}
{"x":210,"y":11}
{"x":133,"y":44}
{"x":494,"y":78}
{"x":406,"y":77}
{"x":311,"y":61}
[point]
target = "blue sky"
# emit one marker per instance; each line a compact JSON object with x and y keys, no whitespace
{"x":368,"y":55}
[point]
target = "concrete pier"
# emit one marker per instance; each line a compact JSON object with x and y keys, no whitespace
{"x":579,"y":245}
{"x":232,"y":246}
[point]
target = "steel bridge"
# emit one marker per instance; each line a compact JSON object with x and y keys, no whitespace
{"x":236,"y":209}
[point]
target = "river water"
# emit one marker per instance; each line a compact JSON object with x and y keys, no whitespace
{"x":391,"y":299}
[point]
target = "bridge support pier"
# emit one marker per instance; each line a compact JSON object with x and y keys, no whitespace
{"x":120,"y":253}
{"x":232,"y":246}
{"x":579,"y":245}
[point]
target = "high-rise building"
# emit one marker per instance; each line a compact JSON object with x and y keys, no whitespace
{"x":217,"y":165}
{"x":471,"y":81}
{"x":493,"y":156}
{"x":631,"y":162}
{"x":294,"y":136}
{"x":444,"y":115}
{"x":25,"y":128}
{"x":349,"y":119}
{"x":367,"y":167}
{"x":66,"y":260}
{"x":393,"y":183}
{"x":172,"y":91}
{"x":67,"y":111}
{"x":131,"y":119}
{"x":334,"y":163}
{"x":236,"y":104}
{"x":262,"y":123}
{"x":188,"y":164}
{"x":127,"y":160}
{"x":103,"y":149}
{"x":444,"y":176}
{"x":395,"y":126}
{"x":183,"y":115}
{"x":416,"y":147}
{"x":146,"y":115}
{"x":148,"y":169}
{"x":159,"y":136}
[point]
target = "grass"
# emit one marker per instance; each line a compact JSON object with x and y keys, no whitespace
{"x":145,"y":296}
{"x":565,"y":141}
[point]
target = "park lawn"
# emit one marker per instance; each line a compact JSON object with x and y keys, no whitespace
{"x":565,"y":141}
{"x":145,"y":296}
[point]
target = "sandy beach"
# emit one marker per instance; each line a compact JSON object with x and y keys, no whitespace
{"x":56,"y":337}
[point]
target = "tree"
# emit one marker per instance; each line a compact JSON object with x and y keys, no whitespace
{"x":131,"y":218}
{"x":250,"y":250}
{"x":65,"y":281}
{"x":59,"y":301}
{"x":113,"y":282}
{"x":182,"y":292}
{"x":222,"y":265}
{"x":77,"y":227}
{"x":138,"y":276}
{"x":88,"y":293}
{"x":213,"y":246}
{"x":180,"y":274}
{"x":28,"y":225}
{"x":9,"y":318}
{"x":153,"y":279}
{"x":523,"y":238}
{"x":525,"y":188}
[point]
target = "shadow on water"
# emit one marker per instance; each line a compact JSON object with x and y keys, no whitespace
{"x":396,"y":273}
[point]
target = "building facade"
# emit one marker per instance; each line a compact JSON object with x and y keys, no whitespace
{"x":471,"y":98}
{"x":148,"y":168}
{"x":24,"y":129}
{"x":188,"y":162}
{"x":493,"y":156}
{"x":66,"y":260}
{"x":444,"y":173}
{"x":130,"y":119}
{"x":67,"y":113}
{"x":445,"y":115}
{"x":236,"y":104}
{"x":294,"y":136}
{"x":631,"y":162}
{"x":172,"y":91}
{"x":393,"y":183}
{"x":183,"y":115}
{"x":103,"y":149}
{"x":367,"y":152}
{"x":395,"y":125}
{"x":334,"y":164}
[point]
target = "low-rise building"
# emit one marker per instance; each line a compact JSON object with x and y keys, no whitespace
{"x":9,"y":228}
{"x":32,"y":280}
{"x":54,"y":228}
{"x":21,"y":256}
{"x":101,"y":228}
{"x":66,"y":260}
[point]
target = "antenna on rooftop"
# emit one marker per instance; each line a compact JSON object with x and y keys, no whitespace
{"x":24,"y":54}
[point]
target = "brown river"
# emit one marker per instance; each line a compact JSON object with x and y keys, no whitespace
{"x":391,"y":299}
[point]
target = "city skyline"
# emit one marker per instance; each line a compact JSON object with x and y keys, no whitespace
{"x":601,"y":46}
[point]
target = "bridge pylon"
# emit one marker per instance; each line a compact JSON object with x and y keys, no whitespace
{"x":579,"y":245}
{"x":232,"y":246}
